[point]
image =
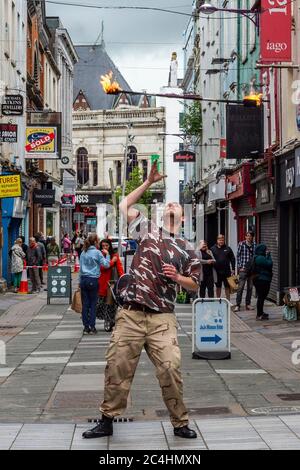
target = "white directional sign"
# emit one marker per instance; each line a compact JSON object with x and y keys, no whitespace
{"x":211,"y":329}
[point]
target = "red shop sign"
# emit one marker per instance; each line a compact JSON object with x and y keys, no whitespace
{"x":276,"y":31}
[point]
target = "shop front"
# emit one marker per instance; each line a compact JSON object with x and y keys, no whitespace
{"x":267,"y":221}
{"x":86,"y":212}
{"x":241,"y":193}
{"x":289,"y":219}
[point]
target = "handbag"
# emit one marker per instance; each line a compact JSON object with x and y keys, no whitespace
{"x":233,"y":282}
{"x":76,"y":302}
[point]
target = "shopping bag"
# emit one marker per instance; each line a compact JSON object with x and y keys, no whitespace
{"x":76,"y":302}
{"x":233,"y":282}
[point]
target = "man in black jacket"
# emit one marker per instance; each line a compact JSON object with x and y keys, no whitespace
{"x":225,"y":265}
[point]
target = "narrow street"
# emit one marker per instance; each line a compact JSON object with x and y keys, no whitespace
{"x":52,"y":385}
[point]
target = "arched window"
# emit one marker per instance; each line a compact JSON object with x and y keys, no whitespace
{"x":82,"y":166}
{"x":132,"y":160}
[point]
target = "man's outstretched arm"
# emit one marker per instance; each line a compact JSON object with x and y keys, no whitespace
{"x":134,"y":197}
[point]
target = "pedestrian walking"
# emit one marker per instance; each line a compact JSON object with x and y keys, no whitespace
{"x":225,"y":265}
{"x":33,"y":257}
{"x":106,"y":307}
{"x":262,"y":272}
{"x":53,"y":252}
{"x":245,"y":253}
{"x":66,"y":244}
{"x":208,"y":272}
{"x":39,"y":238}
{"x":17,"y":263}
{"x":79,"y":242}
{"x":161,"y":263}
{"x":90,"y":262}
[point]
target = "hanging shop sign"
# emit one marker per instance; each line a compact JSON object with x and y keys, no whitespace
{"x":8,"y":133}
{"x":10,"y":186}
{"x":245,"y":132}
{"x":46,"y":121}
{"x":185,"y":156}
{"x":13,"y":105}
{"x":68,"y":201}
{"x":276,"y":31}
{"x":44,"y":197}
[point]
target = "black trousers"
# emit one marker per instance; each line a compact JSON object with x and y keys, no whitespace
{"x":262,"y":290}
{"x":207,"y":283}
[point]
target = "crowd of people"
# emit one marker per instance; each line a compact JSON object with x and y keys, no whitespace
{"x":254,"y":268}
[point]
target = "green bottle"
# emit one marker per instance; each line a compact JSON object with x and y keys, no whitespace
{"x":155,"y":158}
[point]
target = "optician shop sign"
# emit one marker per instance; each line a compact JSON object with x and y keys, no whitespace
{"x":276,"y":31}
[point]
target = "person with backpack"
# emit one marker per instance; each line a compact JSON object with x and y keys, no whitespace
{"x":245,"y":253}
{"x":17,"y":262}
{"x":262,"y":277}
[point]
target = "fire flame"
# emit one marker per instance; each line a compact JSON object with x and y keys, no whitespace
{"x":253,"y":97}
{"x":110,"y":86}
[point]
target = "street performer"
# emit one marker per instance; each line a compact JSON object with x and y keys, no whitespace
{"x":163,"y":260}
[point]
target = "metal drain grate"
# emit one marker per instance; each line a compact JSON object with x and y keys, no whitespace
{"x":116,"y":420}
{"x":213,"y":410}
{"x":289,"y":396}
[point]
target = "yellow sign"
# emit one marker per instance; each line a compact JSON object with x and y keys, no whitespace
{"x":10,"y":186}
{"x":41,"y":140}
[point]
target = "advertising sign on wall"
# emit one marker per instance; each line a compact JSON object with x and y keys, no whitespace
{"x":13,"y":105}
{"x":276,"y":31}
{"x":41,"y":142}
{"x":10,"y":186}
{"x":8,"y":133}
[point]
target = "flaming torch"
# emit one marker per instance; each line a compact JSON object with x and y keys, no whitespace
{"x":110,"y":86}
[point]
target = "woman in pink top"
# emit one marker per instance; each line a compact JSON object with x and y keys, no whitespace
{"x":66,"y":244}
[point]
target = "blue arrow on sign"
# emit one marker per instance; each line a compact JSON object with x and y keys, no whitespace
{"x":211,"y":339}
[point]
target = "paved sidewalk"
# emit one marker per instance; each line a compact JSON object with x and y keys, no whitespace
{"x":282,"y":432}
{"x":53,"y":381}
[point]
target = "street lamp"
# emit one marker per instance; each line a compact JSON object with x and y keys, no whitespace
{"x":208,"y":9}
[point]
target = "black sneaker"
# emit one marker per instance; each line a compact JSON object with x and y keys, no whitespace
{"x":104,"y":428}
{"x":185,"y":432}
{"x":86,"y":330}
{"x":93,"y":331}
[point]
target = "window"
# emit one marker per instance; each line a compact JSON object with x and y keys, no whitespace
{"x":145,"y":169}
{"x":119,"y":173}
{"x":95,"y":173}
{"x":131,"y":160}
{"x":82,"y":166}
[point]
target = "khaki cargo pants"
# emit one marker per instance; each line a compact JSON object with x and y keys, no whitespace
{"x":157,"y":333}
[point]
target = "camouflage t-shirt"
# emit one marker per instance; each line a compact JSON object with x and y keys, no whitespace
{"x":149,"y":286}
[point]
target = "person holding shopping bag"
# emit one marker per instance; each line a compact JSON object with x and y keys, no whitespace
{"x":91,"y":261}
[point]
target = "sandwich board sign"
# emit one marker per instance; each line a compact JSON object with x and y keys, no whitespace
{"x":59,"y":283}
{"x":211,"y":329}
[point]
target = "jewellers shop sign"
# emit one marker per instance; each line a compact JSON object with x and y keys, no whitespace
{"x":13,"y":105}
{"x":8,"y":133}
{"x":276,"y":31}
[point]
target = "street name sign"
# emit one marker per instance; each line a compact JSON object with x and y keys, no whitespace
{"x":211,"y":329}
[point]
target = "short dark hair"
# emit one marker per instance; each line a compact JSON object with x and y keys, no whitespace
{"x":250,"y":232}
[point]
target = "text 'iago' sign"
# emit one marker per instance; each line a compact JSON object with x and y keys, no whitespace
{"x":276,"y":31}
{"x":41,"y":142}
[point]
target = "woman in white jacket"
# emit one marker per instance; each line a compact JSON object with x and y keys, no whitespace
{"x":17,"y":257}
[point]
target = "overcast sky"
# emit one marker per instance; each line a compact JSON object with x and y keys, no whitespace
{"x":144,"y":66}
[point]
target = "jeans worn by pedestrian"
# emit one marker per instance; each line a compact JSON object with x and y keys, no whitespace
{"x":89,"y":296}
{"x":243,"y":278}
{"x":262,"y":289}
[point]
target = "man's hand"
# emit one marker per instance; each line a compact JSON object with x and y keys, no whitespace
{"x":154,"y":176}
{"x":170,"y":271}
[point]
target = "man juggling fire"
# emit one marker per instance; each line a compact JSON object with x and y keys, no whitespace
{"x":163,"y":261}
